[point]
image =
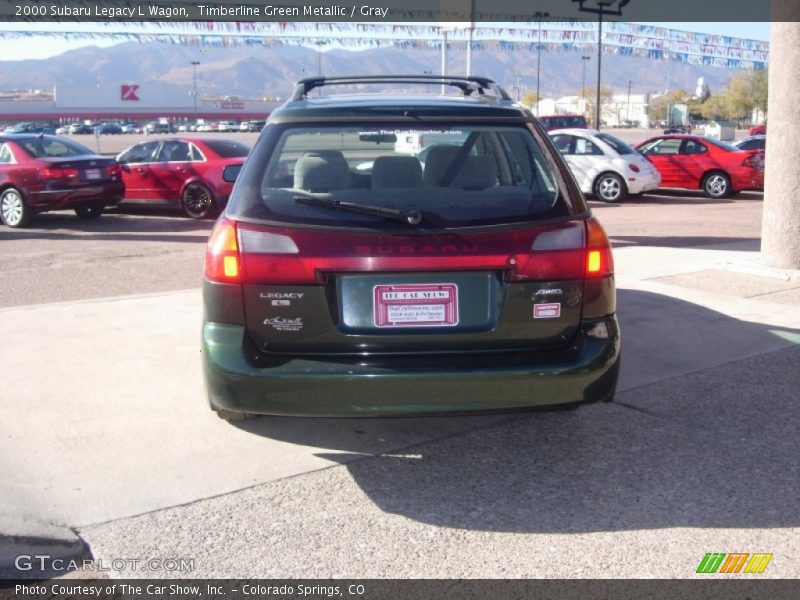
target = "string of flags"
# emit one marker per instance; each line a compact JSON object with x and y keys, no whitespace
{"x":625,"y":39}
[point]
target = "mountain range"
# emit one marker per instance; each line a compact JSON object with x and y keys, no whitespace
{"x":253,"y":72}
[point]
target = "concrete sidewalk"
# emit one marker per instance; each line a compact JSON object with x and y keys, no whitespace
{"x":104,"y":415}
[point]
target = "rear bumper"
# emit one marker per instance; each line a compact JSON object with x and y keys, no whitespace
{"x":747,"y":179}
{"x":643,"y":182}
{"x":333,"y":386}
{"x":108,"y":194}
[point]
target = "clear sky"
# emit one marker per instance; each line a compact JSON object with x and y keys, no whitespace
{"x":42,"y":46}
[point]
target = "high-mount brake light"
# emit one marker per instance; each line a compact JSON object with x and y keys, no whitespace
{"x":222,"y":254}
{"x":599,"y":261}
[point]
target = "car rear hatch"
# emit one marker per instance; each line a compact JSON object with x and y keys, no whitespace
{"x":325,"y":292}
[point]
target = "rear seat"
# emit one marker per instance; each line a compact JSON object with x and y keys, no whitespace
{"x":399,"y":182}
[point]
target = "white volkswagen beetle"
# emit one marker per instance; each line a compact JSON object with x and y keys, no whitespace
{"x":604,"y":165}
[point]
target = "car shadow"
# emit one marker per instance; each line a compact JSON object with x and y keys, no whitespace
{"x":673,"y":197}
{"x":742,"y":244}
{"x":697,"y":436}
{"x":143,"y":225}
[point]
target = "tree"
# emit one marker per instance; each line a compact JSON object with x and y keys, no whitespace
{"x":760,"y":88}
{"x":658,"y":107}
{"x":530,"y":98}
{"x":590,"y":94}
{"x":745,"y":91}
{"x":739,"y":97}
{"x":715,"y":108}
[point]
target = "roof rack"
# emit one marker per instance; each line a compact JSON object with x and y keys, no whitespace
{"x":467,"y":84}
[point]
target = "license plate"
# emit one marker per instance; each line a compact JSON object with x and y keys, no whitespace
{"x":93,"y":174}
{"x":416,"y":305}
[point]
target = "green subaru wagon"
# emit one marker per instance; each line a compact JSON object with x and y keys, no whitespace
{"x":406,"y":253}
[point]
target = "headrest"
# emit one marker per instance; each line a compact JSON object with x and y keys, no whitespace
{"x":477,"y":173}
{"x":396,"y":172}
{"x":321,"y":171}
{"x":436,"y":163}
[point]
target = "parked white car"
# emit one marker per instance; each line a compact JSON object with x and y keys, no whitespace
{"x":604,"y":165}
{"x":227,"y":126}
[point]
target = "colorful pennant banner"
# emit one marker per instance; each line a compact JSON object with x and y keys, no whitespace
{"x":626,"y":39}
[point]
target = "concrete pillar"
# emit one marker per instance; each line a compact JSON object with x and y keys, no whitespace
{"x":780,"y":233}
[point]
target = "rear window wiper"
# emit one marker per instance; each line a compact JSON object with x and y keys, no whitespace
{"x":411,"y":217}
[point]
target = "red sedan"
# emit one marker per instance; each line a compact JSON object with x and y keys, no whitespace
{"x":39,"y":173}
{"x":695,"y":162}
{"x":183,"y":172}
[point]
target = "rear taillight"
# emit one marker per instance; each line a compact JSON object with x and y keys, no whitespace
{"x":755,"y":161}
{"x":60,"y":173}
{"x":252,"y":254}
{"x":223,"y":262}
{"x":599,"y":260}
{"x":633,"y":167}
{"x":114,"y":171}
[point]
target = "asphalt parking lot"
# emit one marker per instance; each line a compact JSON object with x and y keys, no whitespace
{"x":106,"y":429}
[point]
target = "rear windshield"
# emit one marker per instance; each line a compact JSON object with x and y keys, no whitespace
{"x":617,"y":144}
{"x":228,"y":148}
{"x":452,"y":176}
{"x":53,"y":148}
{"x":720,"y":144}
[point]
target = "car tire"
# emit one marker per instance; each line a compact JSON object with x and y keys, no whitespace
{"x":89,"y":213}
{"x":14,"y":211}
{"x":198,"y":202}
{"x":609,"y":187}
{"x":232,"y":416}
{"x":717,"y":184}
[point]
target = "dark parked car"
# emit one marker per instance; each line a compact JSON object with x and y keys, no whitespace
{"x":30,"y":128}
{"x":182,"y":172}
{"x":678,"y":129}
{"x":479,"y":282}
{"x":109,"y":129}
{"x":39,"y":173}
{"x":551,"y":122}
{"x":754,"y":142}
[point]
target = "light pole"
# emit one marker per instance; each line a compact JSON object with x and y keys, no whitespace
{"x":319,"y":44}
{"x":194,"y":86}
{"x":444,"y":58}
{"x":603,"y":7}
{"x":539,"y":16}
{"x":518,"y":84}
{"x":584,"y":58}
{"x":628,"y":113}
{"x":469,"y":36}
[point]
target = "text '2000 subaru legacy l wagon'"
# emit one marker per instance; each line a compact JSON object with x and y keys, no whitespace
{"x":355,"y":274}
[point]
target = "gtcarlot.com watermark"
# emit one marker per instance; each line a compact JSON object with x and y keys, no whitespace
{"x":45,"y":562}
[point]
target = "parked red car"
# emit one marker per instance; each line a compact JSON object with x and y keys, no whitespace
{"x":183,"y":172}
{"x":39,"y":173}
{"x":758,"y":129}
{"x":696,"y":162}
